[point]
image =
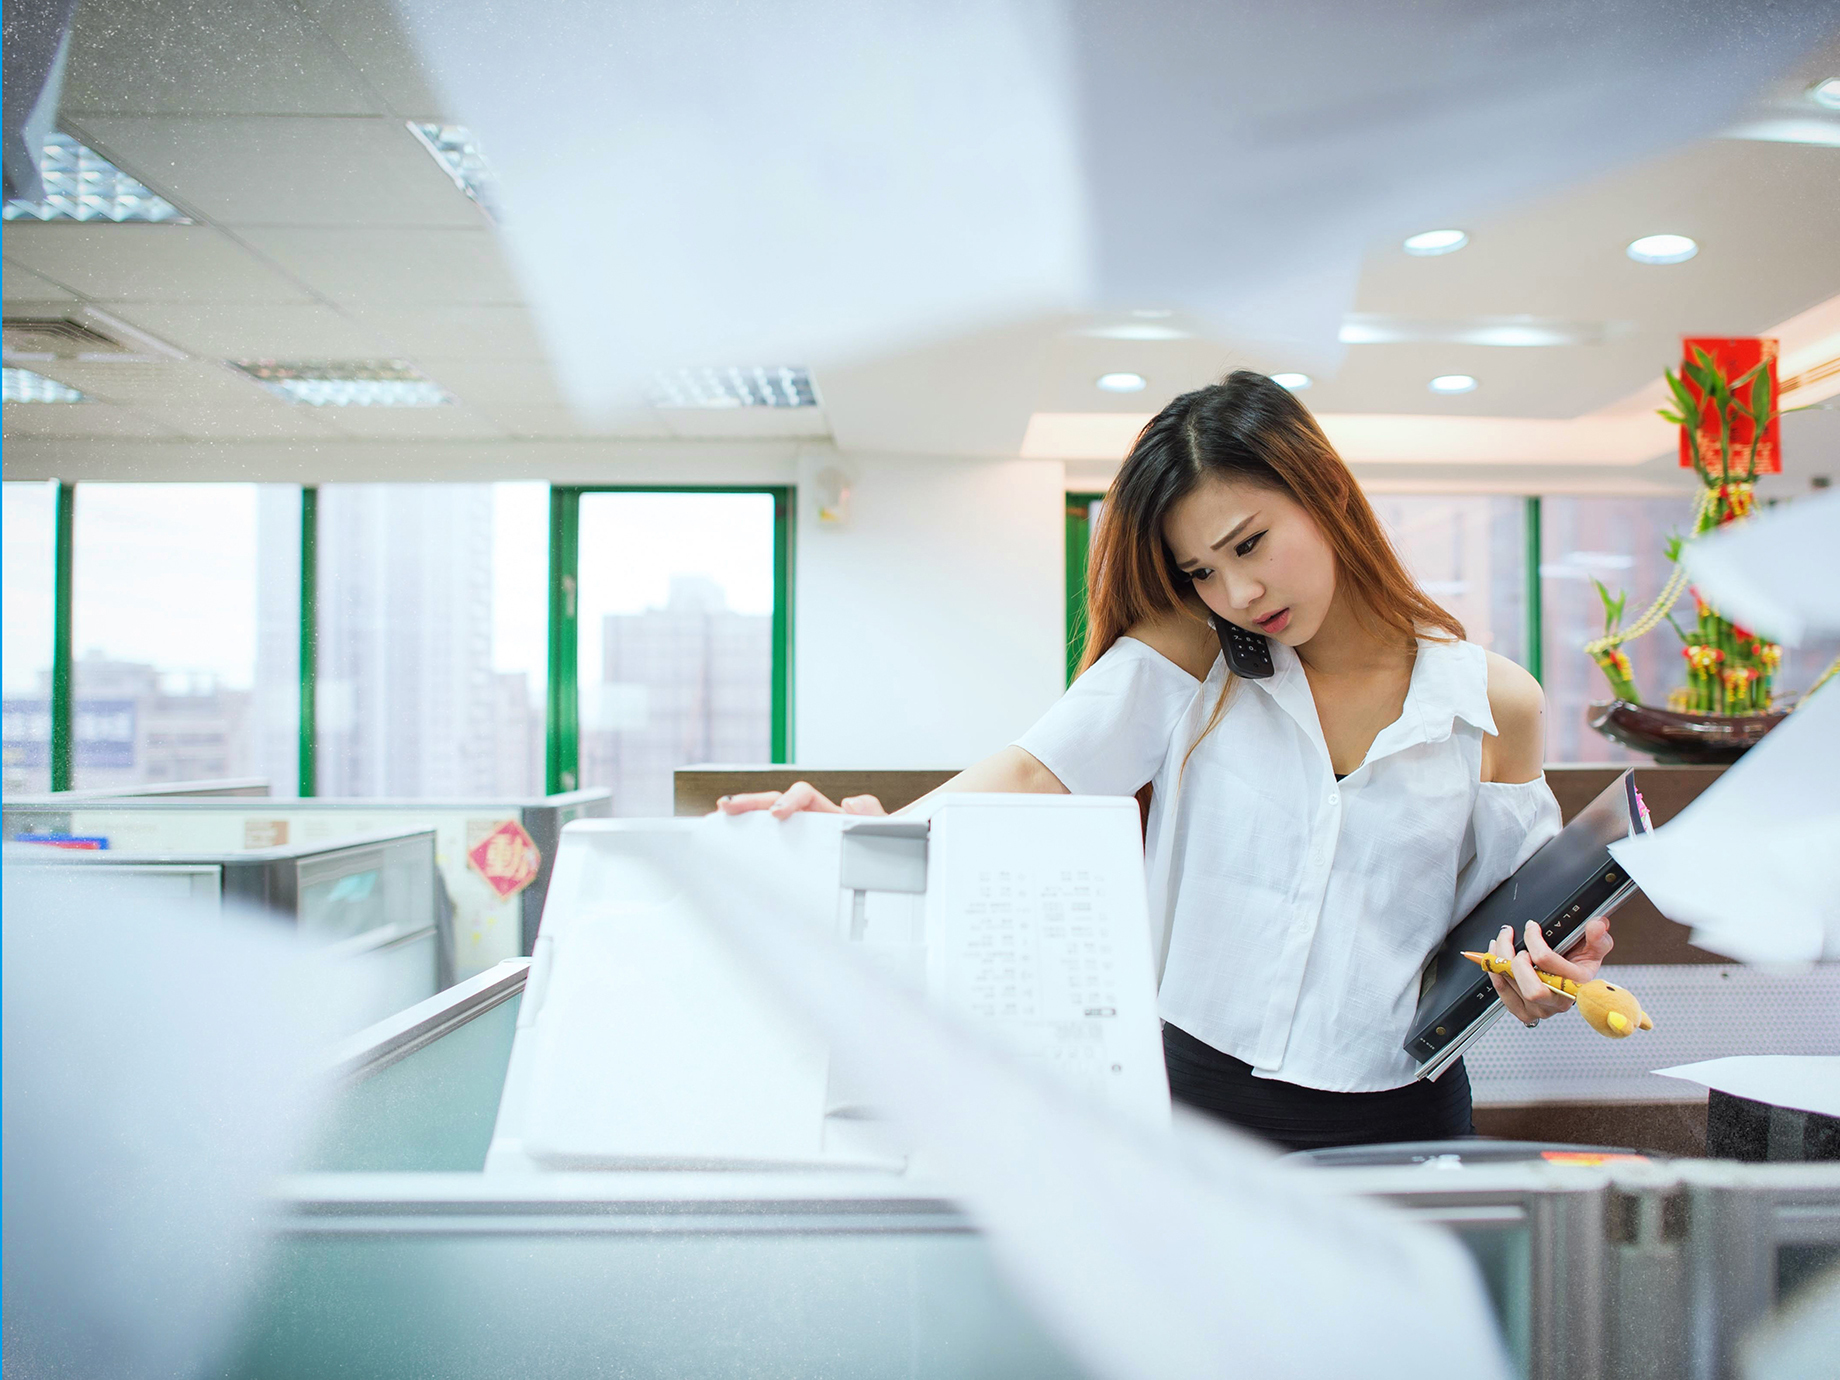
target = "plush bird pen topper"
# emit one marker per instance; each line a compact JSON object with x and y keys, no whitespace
{"x":1607,"y":1009}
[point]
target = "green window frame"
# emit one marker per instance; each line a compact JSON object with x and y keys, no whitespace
{"x":562,"y":721}
{"x":1079,"y":546}
{"x":562,"y":744}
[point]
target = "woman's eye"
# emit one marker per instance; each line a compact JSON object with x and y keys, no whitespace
{"x":1199,"y":574}
{"x":1245,"y":547}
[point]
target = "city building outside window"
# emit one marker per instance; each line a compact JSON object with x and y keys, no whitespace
{"x":432,"y":640}
{"x":675,"y":660}
{"x":30,"y":517}
{"x":178,"y":591}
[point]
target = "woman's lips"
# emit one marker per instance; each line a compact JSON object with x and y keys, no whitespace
{"x":1275,"y":622}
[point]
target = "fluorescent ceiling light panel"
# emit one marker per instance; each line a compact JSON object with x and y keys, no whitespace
{"x":1662,"y":249}
{"x":1120,"y":383}
{"x":24,"y":386}
{"x":760,"y":386}
{"x":1452,"y":383}
{"x":1822,"y":133}
{"x":80,"y":184}
{"x":1826,"y":93}
{"x":1295,"y":382}
{"x":1510,"y":332}
{"x":360,"y":383}
{"x":459,"y":154}
{"x":1433,"y":242}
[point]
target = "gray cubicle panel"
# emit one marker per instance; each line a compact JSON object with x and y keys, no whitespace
{"x":373,"y":895}
{"x":399,"y":1257}
{"x":491,"y":922}
{"x":234,"y":786}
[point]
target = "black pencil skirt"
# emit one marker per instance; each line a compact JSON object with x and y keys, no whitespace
{"x":1297,"y":1118}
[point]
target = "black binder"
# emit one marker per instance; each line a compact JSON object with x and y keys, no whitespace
{"x":1571,"y":880}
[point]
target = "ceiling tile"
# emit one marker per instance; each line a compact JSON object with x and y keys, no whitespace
{"x":524,"y":382}
{"x":23,"y":285}
{"x":745,"y":423}
{"x":373,"y":41}
{"x":397,"y":267}
{"x":558,"y":423}
{"x":233,"y":57}
{"x":79,"y":420}
{"x":149,"y":263}
{"x":410,"y":423}
{"x":278,"y":170}
{"x":284,"y":331}
{"x":455,"y":332}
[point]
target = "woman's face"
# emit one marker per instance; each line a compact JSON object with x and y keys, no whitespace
{"x":1256,"y":557}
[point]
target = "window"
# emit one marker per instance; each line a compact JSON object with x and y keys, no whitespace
{"x":431,"y":640}
{"x":1468,"y":552}
{"x":184,"y":612}
{"x":30,"y":515}
{"x":676,"y":656}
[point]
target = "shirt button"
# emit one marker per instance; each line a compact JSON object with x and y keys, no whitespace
{"x":1333,"y":797}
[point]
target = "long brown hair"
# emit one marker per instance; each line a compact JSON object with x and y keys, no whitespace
{"x":1250,"y":430}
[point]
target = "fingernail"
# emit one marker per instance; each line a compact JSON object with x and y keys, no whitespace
{"x":721,"y":800}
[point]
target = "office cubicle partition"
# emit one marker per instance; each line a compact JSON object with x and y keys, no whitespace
{"x":494,"y":855}
{"x":398,"y":1256}
{"x":374,"y":896}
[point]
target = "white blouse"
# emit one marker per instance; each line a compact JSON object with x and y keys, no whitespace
{"x":1290,"y":913}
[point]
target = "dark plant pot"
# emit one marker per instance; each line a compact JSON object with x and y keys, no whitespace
{"x":1702,"y":739}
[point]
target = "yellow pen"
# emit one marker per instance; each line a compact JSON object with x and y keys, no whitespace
{"x":1563,"y":985}
{"x":1607,"y":1009}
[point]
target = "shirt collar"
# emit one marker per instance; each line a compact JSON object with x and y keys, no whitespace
{"x":1449,"y":682}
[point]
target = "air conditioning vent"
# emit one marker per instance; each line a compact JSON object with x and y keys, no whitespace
{"x":96,"y":337}
{"x":56,"y":339}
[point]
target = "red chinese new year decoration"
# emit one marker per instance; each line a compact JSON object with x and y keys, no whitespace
{"x":507,"y":858}
{"x":1736,"y":356}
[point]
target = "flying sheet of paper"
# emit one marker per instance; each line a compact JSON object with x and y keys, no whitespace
{"x":161,"y":1067}
{"x":1753,"y":863}
{"x":1145,"y":1258}
{"x":821,"y":182}
{"x":1778,"y":573}
{"x":1804,"y":1082}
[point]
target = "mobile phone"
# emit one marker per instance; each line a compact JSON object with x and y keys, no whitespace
{"x":1248,"y":653}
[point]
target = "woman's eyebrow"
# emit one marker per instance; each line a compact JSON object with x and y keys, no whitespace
{"x":1239,"y":527}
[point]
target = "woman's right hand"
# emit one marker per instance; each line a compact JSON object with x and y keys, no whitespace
{"x":801,"y":795}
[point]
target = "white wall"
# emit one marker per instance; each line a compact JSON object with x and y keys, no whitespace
{"x":931,"y":627}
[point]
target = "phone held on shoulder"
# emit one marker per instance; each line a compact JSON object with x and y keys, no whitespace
{"x":1248,"y":653}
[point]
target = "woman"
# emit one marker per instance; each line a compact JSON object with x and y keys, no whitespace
{"x":1312,"y":835}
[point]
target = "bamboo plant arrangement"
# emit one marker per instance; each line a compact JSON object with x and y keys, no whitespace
{"x":1730,"y":670}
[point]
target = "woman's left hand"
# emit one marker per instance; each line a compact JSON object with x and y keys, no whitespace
{"x":1522,"y":992}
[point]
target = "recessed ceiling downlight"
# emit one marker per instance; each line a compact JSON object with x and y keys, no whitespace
{"x":1121,"y":383}
{"x":1295,"y":382}
{"x":1436,"y":242}
{"x":1453,"y":383}
{"x":1662,"y":249}
{"x":1826,"y":93}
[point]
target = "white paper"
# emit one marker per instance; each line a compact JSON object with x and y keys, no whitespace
{"x":1803,"y":1082}
{"x":1037,"y":932}
{"x":652,"y":1044}
{"x":1147,"y":1256}
{"x":1778,"y":573}
{"x":826,"y":183}
{"x":1753,"y":863}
